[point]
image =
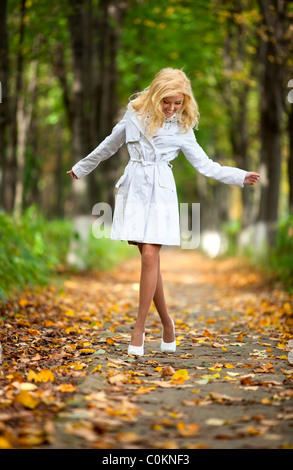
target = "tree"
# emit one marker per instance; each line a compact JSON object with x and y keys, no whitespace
{"x":238,"y":25}
{"x":94,"y":37}
{"x":4,"y":107}
{"x":272,"y":57}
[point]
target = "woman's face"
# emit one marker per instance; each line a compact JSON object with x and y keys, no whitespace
{"x":171,"y":104}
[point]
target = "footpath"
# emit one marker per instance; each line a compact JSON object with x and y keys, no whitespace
{"x":228,"y":386}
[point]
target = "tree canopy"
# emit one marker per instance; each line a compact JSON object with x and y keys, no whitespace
{"x":68,"y":68}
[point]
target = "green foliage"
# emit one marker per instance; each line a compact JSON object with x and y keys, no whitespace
{"x":231,"y":231}
{"x":277,"y":260}
{"x":104,"y":253}
{"x":32,"y":248}
{"x":281,"y":256}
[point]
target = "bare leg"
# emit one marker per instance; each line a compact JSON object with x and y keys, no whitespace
{"x":148,"y":284}
{"x":151,"y":288}
{"x":160,"y":303}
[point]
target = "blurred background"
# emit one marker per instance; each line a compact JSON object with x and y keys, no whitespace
{"x":67,"y":70}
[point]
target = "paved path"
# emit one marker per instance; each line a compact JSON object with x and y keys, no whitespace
{"x":228,"y":386}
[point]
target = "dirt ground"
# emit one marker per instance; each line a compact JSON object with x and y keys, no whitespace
{"x":228,"y":386}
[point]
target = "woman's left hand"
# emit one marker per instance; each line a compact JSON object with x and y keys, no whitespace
{"x":251,"y":178}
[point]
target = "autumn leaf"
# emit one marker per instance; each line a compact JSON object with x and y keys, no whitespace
{"x":4,"y":443}
{"x":247,"y":381}
{"x":180,"y":376}
{"x":215,"y":422}
{"x":67,"y":388}
{"x":87,"y":351}
{"x":167,"y":371}
{"x":26,"y":399}
{"x":51,"y":349}
{"x":187,"y":430}
{"x":44,"y":375}
{"x":142,"y":390}
{"x":110,"y":341}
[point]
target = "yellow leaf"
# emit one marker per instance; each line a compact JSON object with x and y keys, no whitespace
{"x":115,"y":366}
{"x":210,"y":320}
{"x":229,"y":366}
{"x":266,"y":401}
{"x":46,"y":375}
{"x":180,"y":374}
{"x":287,"y":308}
{"x":87,"y":351}
{"x":141,"y":390}
{"x":281,"y":346}
{"x":187,"y":430}
{"x":110,"y":341}
{"x":98,"y":367}
{"x":32,"y":376}
{"x":66,"y":388}
{"x":23,"y":302}
{"x":27,"y":400}
{"x":4,"y":444}
{"x":78,"y":366}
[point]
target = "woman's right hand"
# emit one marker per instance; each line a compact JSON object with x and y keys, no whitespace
{"x":72,"y":174}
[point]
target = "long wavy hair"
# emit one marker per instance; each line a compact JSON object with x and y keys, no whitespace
{"x":148,"y":103}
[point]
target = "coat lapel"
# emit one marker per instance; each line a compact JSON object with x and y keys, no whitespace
{"x":137,"y":123}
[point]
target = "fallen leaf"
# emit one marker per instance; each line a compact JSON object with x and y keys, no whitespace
{"x":181,"y":374}
{"x":67,"y":388}
{"x":168,"y":371}
{"x":187,"y":430}
{"x":26,"y":399}
{"x":44,"y":375}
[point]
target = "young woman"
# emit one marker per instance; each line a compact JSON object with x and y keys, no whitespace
{"x":158,"y":124}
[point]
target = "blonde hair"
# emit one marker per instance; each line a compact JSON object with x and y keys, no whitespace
{"x":148,"y":103}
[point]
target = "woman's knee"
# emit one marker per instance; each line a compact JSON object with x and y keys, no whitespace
{"x":150,"y":255}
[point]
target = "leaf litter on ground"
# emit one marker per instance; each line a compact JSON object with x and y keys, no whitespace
{"x":64,"y":354}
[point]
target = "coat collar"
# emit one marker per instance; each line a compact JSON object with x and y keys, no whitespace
{"x":135,"y":119}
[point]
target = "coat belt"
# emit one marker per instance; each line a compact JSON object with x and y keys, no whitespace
{"x":148,"y":163}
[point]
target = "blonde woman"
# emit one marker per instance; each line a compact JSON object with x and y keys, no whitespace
{"x":158,"y":124}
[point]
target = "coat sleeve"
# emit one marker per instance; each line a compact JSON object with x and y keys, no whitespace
{"x":105,"y":150}
{"x":207,"y":167}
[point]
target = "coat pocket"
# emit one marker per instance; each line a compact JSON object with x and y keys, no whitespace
{"x":121,"y":180}
{"x":166,"y":178}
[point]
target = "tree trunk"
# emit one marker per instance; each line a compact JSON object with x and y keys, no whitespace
{"x":271,"y":108}
{"x":235,"y":93}
{"x":94,"y":41}
{"x":109,"y":26}
{"x":24,"y":117}
{"x":290,"y":157}
{"x":79,"y":129}
{"x":4,"y":107}
{"x":11,"y":162}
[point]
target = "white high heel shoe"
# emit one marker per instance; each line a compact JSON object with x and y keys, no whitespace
{"x":136,"y":350}
{"x":169,"y":347}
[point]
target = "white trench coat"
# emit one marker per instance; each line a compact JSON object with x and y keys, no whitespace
{"x":146,"y":207}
